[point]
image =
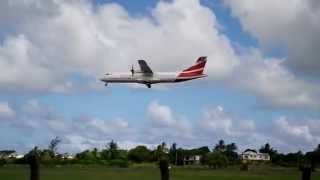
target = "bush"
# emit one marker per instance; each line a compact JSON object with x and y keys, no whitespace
{"x":217,"y":160}
{"x":139,"y":154}
{"x":122,"y":163}
{"x":2,"y":162}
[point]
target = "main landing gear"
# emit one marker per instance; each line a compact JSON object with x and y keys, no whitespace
{"x":148,"y":85}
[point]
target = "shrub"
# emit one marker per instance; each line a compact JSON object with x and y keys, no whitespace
{"x":217,"y":160}
{"x":2,"y":162}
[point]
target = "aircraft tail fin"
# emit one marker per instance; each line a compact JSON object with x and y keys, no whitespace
{"x":195,"y":70}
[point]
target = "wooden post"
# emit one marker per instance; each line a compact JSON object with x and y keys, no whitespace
{"x":34,"y":163}
{"x":164,"y":169}
{"x":306,"y":172}
{"x":244,"y":165}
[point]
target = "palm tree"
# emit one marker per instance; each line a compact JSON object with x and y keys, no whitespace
{"x":112,"y":147}
{"x":220,"y":146}
{"x":231,"y":147}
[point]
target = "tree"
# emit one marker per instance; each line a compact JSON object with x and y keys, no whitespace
{"x":53,"y":146}
{"x":173,"y":153}
{"x":292,"y":158}
{"x":231,"y":153}
{"x":46,"y":157}
{"x":267,"y":149}
{"x":216,"y":160}
{"x":95,"y":153}
{"x":161,"y":151}
{"x":231,"y":147}
{"x":220,"y":146}
{"x":274,"y":155}
{"x":180,"y":156}
{"x":139,"y":154}
{"x":229,"y":150}
{"x":6,"y":153}
{"x":111,"y":152}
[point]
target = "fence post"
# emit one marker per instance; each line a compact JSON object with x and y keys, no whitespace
{"x":306,"y":172}
{"x":34,"y":163}
{"x":244,"y":166}
{"x":164,"y":169}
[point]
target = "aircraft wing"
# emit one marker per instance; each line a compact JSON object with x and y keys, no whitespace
{"x":144,"y":67}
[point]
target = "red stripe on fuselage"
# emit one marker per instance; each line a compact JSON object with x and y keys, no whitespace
{"x":196,"y":70}
{"x":190,"y":74}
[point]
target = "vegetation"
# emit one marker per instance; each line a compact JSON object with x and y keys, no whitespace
{"x":221,"y":156}
{"x":140,"y":154}
{"x":217,"y":159}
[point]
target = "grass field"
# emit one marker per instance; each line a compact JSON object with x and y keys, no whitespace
{"x":152,"y":173}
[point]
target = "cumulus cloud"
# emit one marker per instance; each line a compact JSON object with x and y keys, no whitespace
{"x":296,"y":134}
{"x":216,"y":120}
{"x":6,"y":111}
{"x":83,"y":132}
{"x":61,"y":40}
{"x":292,"y":25}
{"x":76,"y":37}
{"x":270,"y":80}
{"x":45,"y":45}
{"x":160,"y":114}
{"x":34,"y":117}
{"x":164,"y":121}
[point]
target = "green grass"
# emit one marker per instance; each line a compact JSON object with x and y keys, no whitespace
{"x":150,"y":172}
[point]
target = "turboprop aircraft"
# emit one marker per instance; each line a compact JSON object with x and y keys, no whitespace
{"x":146,"y":76}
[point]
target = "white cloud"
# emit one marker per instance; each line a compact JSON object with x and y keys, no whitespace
{"x":295,"y":134}
{"x":45,"y":44}
{"x":6,"y":111}
{"x":64,"y":39}
{"x":217,"y":121}
{"x":269,"y":79}
{"x":41,"y":123}
{"x":161,"y":116}
{"x":290,"y":24}
{"x":75,"y":37}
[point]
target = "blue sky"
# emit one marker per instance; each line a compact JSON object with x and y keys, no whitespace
{"x":260,"y":96}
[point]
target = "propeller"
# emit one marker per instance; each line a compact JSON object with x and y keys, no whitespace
{"x":132,"y":70}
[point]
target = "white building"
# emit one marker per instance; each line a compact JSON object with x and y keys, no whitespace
{"x":16,"y":156}
{"x":253,"y":155}
{"x":192,"y":160}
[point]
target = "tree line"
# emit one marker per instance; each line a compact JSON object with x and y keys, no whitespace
{"x":220,"y":156}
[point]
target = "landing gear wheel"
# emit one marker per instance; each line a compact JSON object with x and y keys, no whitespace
{"x":148,"y":85}
{"x":106,"y":84}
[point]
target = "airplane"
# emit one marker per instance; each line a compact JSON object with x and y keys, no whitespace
{"x":148,"y":77}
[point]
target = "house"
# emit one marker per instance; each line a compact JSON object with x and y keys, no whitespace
{"x":67,"y":156}
{"x":6,"y":154}
{"x":16,"y":156}
{"x":192,"y":160}
{"x":253,"y":155}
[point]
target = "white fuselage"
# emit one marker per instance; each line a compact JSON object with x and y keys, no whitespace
{"x":160,"y":77}
{"x":137,"y":77}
